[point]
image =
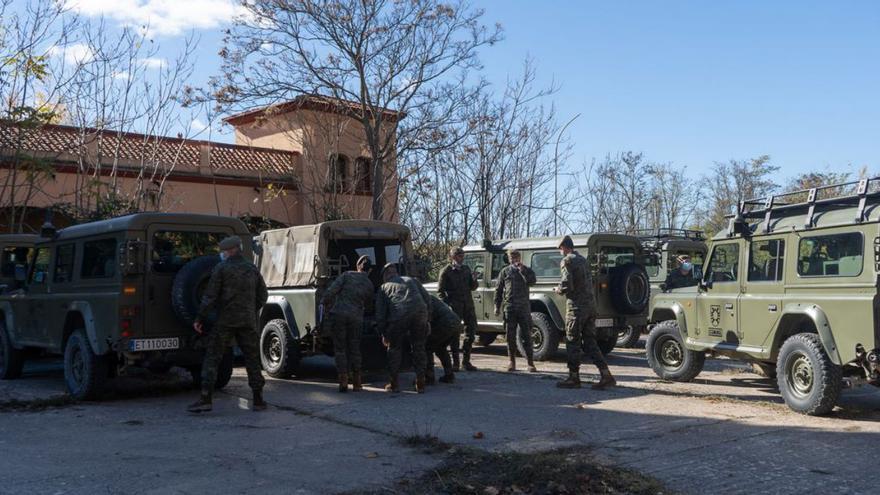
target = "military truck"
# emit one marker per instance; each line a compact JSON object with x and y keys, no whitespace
{"x":112,"y":294}
{"x":15,"y":250}
{"x":620,"y":281}
{"x":299,"y":263}
{"x":790,"y":285}
{"x":666,"y":245}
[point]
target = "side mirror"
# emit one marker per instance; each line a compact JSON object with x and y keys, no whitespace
{"x":705,"y":284}
{"x":663,"y":287}
{"x":20,"y":273}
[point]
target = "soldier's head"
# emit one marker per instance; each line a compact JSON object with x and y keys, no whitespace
{"x":456,"y":254}
{"x":389,"y":271}
{"x":566,"y":246}
{"x":230,"y":247}
{"x":514,"y":256}
{"x":684,"y":264}
{"x":364,"y":263}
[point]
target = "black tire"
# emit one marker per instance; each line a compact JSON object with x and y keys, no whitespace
{"x":545,"y":338}
{"x":84,"y":372}
{"x":668,"y":356}
{"x":224,"y":371}
{"x":11,"y":359}
{"x":486,"y":339}
{"x":630,"y":289}
{"x":279,"y":351}
{"x":189,"y":286}
{"x":808,"y":381}
{"x":607,"y":344}
{"x":629,"y":336}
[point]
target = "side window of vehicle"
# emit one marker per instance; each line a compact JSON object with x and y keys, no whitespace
{"x":99,"y":259}
{"x":64,"y":256}
{"x":14,"y":257}
{"x":724,"y":263}
{"x":477,"y":263}
{"x":766,"y":260}
{"x":546,"y":264}
{"x":499,"y":261}
{"x":40,"y":271}
{"x":838,"y":255}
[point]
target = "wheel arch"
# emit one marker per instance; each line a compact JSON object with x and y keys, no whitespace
{"x":541,"y":303}
{"x":80,"y":315}
{"x":805,"y":318}
{"x":673,"y":311}
{"x":8,"y":318}
{"x":277,"y":307}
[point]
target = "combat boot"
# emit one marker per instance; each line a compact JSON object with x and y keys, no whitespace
{"x":343,"y":382}
{"x":456,"y":361}
{"x":356,"y":382}
{"x":393,"y":385}
{"x":420,"y":384}
{"x":573,"y":381}
{"x":532,"y":368}
{"x":511,"y":366}
{"x":606,"y":379}
{"x":467,"y":362}
{"x":204,"y":404}
{"x":259,"y":404}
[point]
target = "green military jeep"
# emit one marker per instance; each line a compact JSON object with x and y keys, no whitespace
{"x":112,"y":294}
{"x":299,"y":263}
{"x":792,"y":286}
{"x":620,"y":285}
{"x":15,"y":251}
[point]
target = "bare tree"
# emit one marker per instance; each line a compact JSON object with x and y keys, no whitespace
{"x":733,"y":182}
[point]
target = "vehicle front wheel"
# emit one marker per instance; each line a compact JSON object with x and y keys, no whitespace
{"x":279,"y":351}
{"x":669,"y":357}
{"x":545,"y":338}
{"x":486,"y":339}
{"x":11,"y":359}
{"x":84,"y":372}
{"x":629,"y":336}
{"x":809,"y":382}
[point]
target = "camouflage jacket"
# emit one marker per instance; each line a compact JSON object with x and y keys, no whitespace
{"x":676,"y":280}
{"x":236,"y":292}
{"x":401,"y":298}
{"x":513,"y":287}
{"x":351,"y":292}
{"x":577,"y":283}
{"x":454,"y":285}
{"x":444,"y":322}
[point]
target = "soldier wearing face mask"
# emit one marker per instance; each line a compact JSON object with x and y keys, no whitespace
{"x":683,"y":276}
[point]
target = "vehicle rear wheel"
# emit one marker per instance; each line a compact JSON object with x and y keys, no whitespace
{"x":224,"y":371}
{"x":669,"y":357}
{"x":630,"y":289}
{"x":11,"y":359}
{"x":84,"y":372}
{"x":486,"y":339}
{"x":809,"y":382}
{"x":629,"y":336}
{"x":279,"y":351}
{"x":545,"y":338}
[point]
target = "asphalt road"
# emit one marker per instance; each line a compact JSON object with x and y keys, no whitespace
{"x":727,"y":432}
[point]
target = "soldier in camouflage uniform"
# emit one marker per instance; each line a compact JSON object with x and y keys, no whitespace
{"x":347,"y":298}
{"x":236,"y":292}
{"x":403,"y":310}
{"x":512,"y":297}
{"x":580,"y":317}
{"x":454,"y":287}
{"x":445,"y":330}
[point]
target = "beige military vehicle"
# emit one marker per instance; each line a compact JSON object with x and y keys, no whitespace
{"x":792,"y":286}
{"x":621,"y":287}
{"x":299,"y":263}
{"x":112,"y":294}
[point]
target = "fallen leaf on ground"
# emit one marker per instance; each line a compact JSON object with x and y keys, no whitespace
{"x":371,"y":455}
{"x":478,"y":435}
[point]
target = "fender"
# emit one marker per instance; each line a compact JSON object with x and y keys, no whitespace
{"x":552,"y":310}
{"x":820,"y":320}
{"x":677,"y":310}
{"x":85,"y":309}
{"x":282,"y":304}
{"x":9,"y":318}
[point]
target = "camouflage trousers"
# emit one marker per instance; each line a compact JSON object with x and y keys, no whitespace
{"x":469,"y":316}
{"x":518,"y":325}
{"x":219,"y":341}
{"x":439,"y":346}
{"x":346,"y":329}
{"x":412,"y":329}
{"x":580,"y":338}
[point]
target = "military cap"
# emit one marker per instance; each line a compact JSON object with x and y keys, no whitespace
{"x":365,"y":260}
{"x":231,"y":242}
{"x":566,"y":242}
{"x":456,"y":251}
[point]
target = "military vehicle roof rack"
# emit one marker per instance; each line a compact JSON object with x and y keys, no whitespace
{"x":663,"y":234}
{"x":855,"y":193}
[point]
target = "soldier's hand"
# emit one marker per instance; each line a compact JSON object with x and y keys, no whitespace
{"x":199,"y":327}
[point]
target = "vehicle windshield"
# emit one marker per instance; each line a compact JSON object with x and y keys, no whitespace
{"x":173,"y":249}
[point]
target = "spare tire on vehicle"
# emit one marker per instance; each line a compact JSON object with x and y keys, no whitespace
{"x":189,"y":286}
{"x":630,"y":289}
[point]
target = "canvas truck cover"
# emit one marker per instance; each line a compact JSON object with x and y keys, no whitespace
{"x":296,"y":256}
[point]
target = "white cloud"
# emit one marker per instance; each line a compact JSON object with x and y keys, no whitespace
{"x":198,"y":126}
{"x":154,"y":63}
{"x":75,"y":54}
{"x":163,"y":17}
{"x":121,"y":76}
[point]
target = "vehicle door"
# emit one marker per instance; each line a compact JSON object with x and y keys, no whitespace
{"x":51,"y":308}
{"x":33,"y":304}
{"x":717,"y":304}
{"x":761,"y":301}
{"x":98,"y":283}
{"x":477,"y":262}
{"x":498,"y":262}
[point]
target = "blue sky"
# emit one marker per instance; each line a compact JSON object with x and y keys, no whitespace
{"x":685,"y":82}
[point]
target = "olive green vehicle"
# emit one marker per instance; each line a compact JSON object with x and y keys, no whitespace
{"x":299,"y":263}
{"x":792,"y":286}
{"x":113,"y":294}
{"x":620,"y":281}
{"x":666,"y":245}
{"x":15,"y":250}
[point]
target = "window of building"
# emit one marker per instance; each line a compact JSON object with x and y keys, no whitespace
{"x":838,"y":255}
{"x":363,"y":173}
{"x":64,"y":256}
{"x":337,"y":180}
{"x":766,"y":260}
{"x":546,"y":264}
{"x":99,"y":259}
{"x":724,"y":263}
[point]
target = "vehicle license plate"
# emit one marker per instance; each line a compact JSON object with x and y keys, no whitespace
{"x":138,"y":345}
{"x":604,"y":322}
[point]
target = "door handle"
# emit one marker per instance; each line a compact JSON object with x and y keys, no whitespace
{"x":728,"y":306}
